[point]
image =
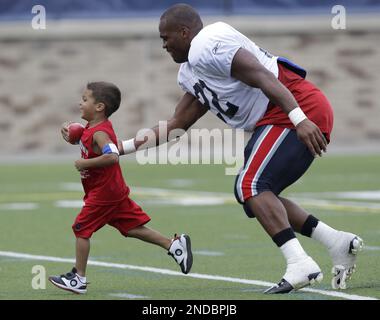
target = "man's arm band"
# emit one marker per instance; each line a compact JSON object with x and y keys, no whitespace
{"x":296,"y":116}
{"x":129,"y":146}
{"x":110,"y":148}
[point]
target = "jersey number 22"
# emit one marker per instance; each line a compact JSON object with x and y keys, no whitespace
{"x":200,"y":90}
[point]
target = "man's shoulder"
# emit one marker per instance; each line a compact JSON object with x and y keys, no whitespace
{"x":184,"y":71}
{"x":207,"y":40}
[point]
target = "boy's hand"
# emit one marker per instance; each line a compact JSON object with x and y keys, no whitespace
{"x":65,"y":130}
{"x":80,"y":164}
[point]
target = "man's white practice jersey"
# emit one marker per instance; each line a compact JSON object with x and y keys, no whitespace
{"x":207,"y":75}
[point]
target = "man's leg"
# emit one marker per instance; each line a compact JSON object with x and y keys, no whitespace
{"x":301,"y":269}
{"x":275,"y":159}
{"x":270,"y":212}
{"x":296,"y":215}
{"x":342,"y":246}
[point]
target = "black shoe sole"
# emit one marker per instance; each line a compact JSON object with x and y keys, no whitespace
{"x":281,"y":288}
{"x":285,"y":287}
{"x":64,"y":287}
{"x":189,"y":255}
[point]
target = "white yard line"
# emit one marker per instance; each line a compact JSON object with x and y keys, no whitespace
{"x":19,"y":206}
{"x":373,"y":195}
{"x":208,"y":253}
{"x":175,"y":273}
{"x":371,"y":248}
{"x":161,"y":196}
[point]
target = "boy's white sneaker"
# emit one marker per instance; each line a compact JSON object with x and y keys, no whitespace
{"x":180,"y":250}
{"x":70,"y":282}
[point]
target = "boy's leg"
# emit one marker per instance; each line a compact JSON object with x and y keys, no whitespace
{"x":342,"y":246}
{"x":82,"y":252}
{"x":179,"y":247}
{"x":149,"y":235}
{"x":90,"y":219}
{"x":130,"y":219}
{"x":75,"y":280}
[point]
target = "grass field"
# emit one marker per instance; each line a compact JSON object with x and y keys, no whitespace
{"x":38,"y":204}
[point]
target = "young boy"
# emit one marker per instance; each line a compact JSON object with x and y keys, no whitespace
{"x":106,"y":194}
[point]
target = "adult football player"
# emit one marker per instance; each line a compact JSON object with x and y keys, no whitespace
{"x":224,"y":72}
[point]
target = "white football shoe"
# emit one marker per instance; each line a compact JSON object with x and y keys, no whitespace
{"x":344,"y":254}
{"x":298,"y":275}
{"x":180,"y":250}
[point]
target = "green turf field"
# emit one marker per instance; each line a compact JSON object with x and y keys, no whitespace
{"x":197,"y":200}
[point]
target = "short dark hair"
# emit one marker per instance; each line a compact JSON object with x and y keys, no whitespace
{"x":107,"y":93}
{"x":183,"y":14}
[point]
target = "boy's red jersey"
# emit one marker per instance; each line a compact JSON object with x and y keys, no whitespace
{"x":105,"y":185}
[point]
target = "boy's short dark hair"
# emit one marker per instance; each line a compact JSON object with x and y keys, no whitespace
{"x":107,"y":93}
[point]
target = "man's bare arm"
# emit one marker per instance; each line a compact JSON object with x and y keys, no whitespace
{"x":246,"y":68}
{"x":187,"y":112}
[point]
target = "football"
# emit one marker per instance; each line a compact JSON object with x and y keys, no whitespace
{"x":75,"y":132}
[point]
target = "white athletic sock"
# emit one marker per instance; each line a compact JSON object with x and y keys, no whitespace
{"x":82,"y":279}
{"x":325,"y":234}
{"x":293,"y":251}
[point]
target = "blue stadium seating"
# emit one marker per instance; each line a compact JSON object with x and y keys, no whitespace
{"x":21,"y":9}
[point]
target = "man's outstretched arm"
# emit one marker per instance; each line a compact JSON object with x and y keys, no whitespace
{"x":246,"y":68}
{"x":187,"y":112}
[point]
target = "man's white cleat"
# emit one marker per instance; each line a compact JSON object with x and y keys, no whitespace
{"x":344,"y":254}
{"x":180,"y":250}
{"x":298,"y":275}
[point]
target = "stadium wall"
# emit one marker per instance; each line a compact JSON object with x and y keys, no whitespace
{"x":42,"y":73}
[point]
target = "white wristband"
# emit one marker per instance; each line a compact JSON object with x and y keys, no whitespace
{"x":129,"y":146}
{"x":296,"y":116}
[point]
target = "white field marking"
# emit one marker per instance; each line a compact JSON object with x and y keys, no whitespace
{"x":186,"y":202}
{"x":71,"y":186}
{"x":208,"y":253}
{"x":40,"y":196}
{"x":180,"y":182}
{"x":69,"y":204}
{"x":336,"y":294}
{"x":226,"y":198}
{"x":128,"y":296}
{"x":159,"y":192}
{"x":371,"y":248}
{"x":19,"y":206}
{"x":358,"y":195}
{"x":339,"y":205}
{"x":186,"y":197}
